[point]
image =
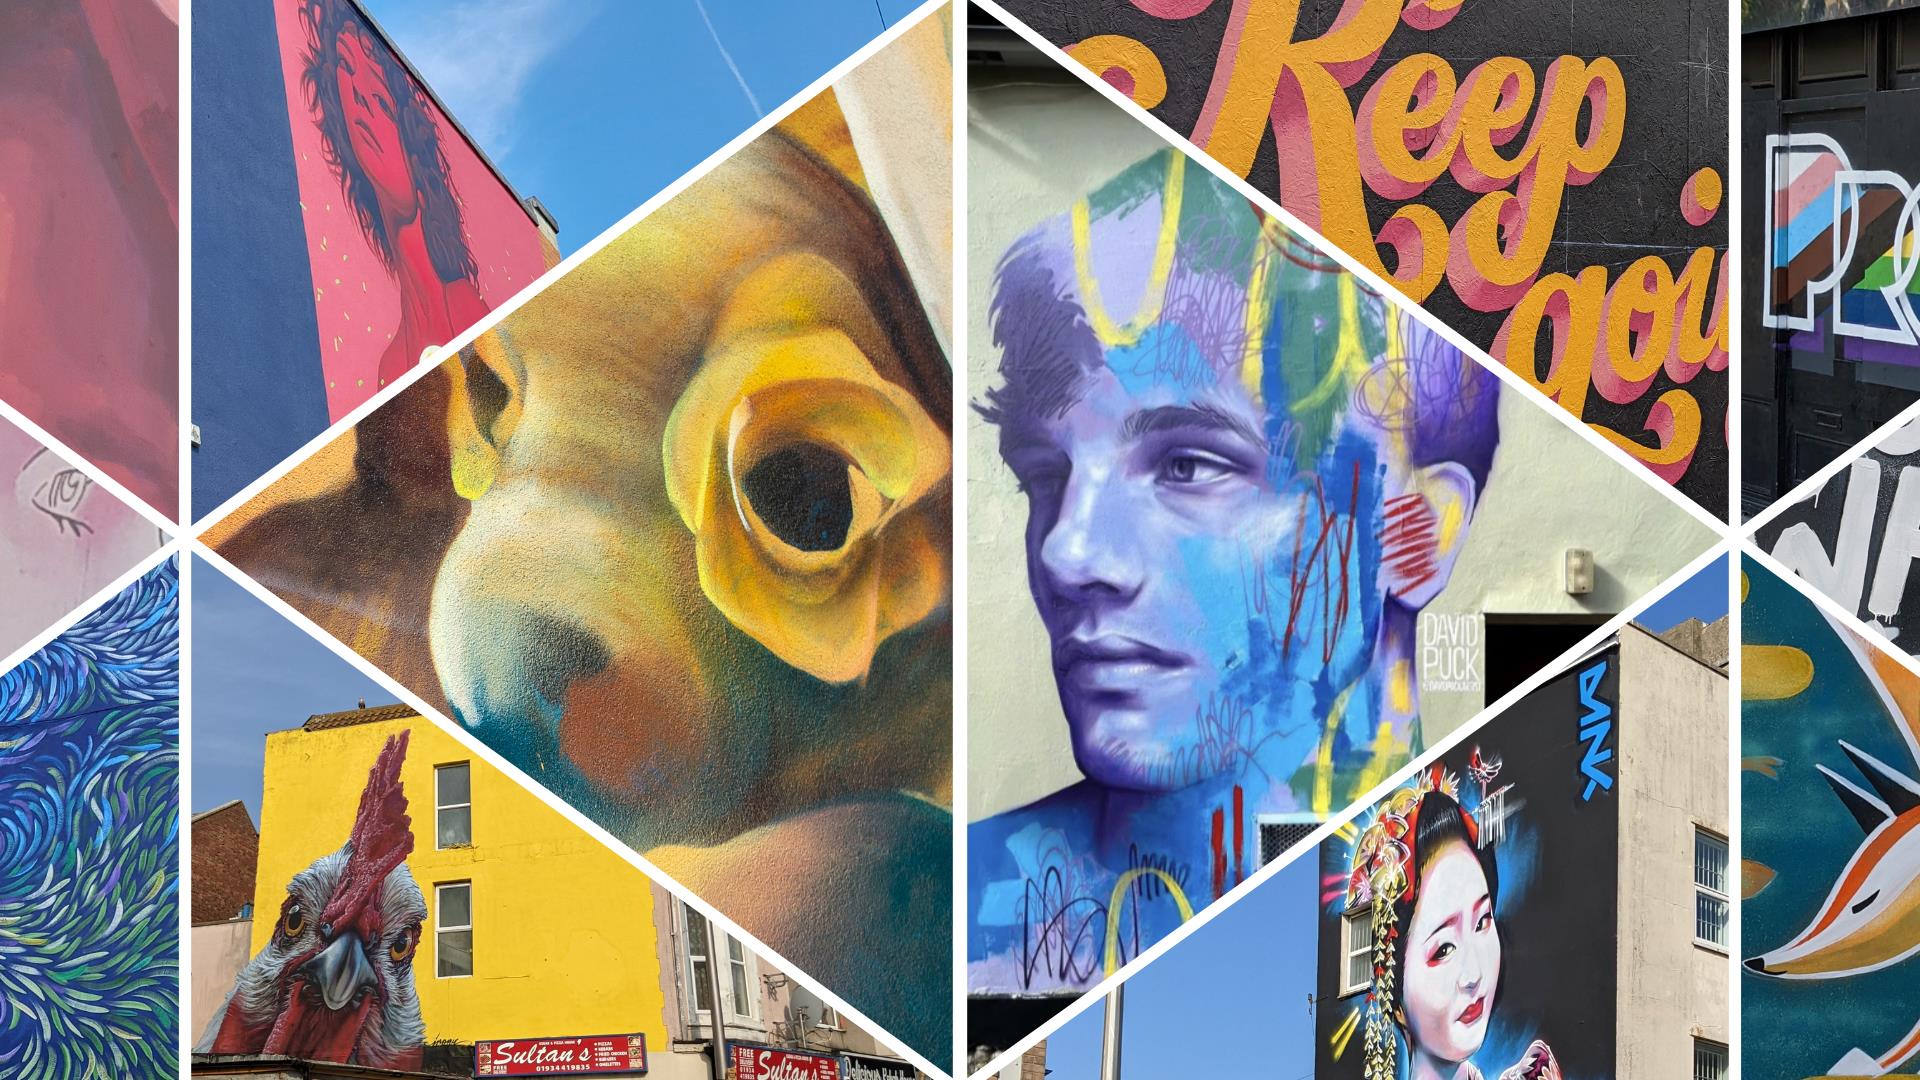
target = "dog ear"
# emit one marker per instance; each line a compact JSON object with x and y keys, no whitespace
{"x":482,"y":414}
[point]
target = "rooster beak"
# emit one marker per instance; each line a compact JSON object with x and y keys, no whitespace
{"x":340,"y":972}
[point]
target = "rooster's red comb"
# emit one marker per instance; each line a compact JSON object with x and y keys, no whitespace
{"x":382,"y":839}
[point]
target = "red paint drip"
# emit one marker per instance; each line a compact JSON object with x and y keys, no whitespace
{"x":1407,"y":540}
{"x":1219,"y":852}
{"x":1239,"y":828}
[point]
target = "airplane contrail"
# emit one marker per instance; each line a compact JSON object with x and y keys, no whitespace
{"x":728,"y":57}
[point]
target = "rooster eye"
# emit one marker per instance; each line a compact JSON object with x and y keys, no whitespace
{"x":402,"y":948}
{"x":293,"y":921}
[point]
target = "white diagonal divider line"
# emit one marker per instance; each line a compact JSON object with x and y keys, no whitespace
{"x":65,"y":622}
{"x":1351,"y":265}
{"x":1558,"y":666}
{"x":958,"y":368}
{"x":560,"y":806}
{"x":165,"y":524}
{"x":566,"y":265}
{"x":1810,"y":487}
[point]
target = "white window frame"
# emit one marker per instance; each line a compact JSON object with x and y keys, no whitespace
{"x":722,"y":975}
{"x":439,"y":807}
{"x":1704,"y":889}
{"x":440,"y":927}
{"x":1349,"y":923}
{"x":830,"y":1018}
{"x":1719,"y":1050}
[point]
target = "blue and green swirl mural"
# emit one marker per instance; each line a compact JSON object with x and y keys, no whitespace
{"x":89,"y":844}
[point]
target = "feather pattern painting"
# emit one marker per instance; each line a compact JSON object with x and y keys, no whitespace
{"x":89,"y":844}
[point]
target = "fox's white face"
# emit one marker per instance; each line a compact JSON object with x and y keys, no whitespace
{"x":1870,"y":920}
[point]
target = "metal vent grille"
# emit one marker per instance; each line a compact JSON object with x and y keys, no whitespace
{"x":1276,"y":837}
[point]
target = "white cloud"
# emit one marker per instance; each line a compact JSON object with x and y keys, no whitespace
{"x":478,"y":57}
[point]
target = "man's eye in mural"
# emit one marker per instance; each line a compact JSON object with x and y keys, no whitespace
{"x":293,"y":922}
{"x":804,"y":495}
{"x":59,"y":496}
{"x":1196,"y":469}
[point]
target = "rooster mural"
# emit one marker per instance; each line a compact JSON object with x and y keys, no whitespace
{"x":335,"y":982}
{"x":1870,"y":918}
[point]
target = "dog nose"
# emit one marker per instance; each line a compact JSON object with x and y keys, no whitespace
{"x":561,"y":652}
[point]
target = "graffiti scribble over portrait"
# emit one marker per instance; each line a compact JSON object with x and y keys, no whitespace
{"x":335,"y":981}
{"x":1830,"y":727}
{"x":1246,"y":475}
{"x":675,"y":538}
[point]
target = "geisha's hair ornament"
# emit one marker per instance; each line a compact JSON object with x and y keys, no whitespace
{"x":1383,"y":874}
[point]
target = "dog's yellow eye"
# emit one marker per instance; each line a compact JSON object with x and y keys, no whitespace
{"x":804,"y":495}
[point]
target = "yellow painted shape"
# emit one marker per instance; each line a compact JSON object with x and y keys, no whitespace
{"x":1349,"y":359}
{"x":1773,"y":672}
{"x":1120,"y":891}
{"x":563,"y":929}
{"x":1323,"y":761}
{"x":1103,"y":52}
{"x":1400,"y":687}
{"x":1156,"y":291}
{"x":1754,"y":877}
{"x":1386,"y":755}
{"x":1343,"y":1034}
{"x":1252,"y":363}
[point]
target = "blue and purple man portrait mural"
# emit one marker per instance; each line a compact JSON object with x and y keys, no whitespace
{"x":1245,"y":474}
{"x":89,"y":844}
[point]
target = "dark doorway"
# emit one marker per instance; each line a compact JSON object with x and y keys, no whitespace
{"x":1520,"y":645}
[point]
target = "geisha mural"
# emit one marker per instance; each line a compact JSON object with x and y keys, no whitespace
{"x":395,"y":202}
{"x":1452,"y":909}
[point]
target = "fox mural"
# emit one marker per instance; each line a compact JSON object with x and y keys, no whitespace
{"x":1858,"y":848}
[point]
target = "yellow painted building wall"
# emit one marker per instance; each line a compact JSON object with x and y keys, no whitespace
{"x":563,"y":935}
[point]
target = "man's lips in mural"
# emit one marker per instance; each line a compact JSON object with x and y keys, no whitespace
{"x":1114,"y":663}
{"x":367,"y":130}
{"x":1472,"y":1013}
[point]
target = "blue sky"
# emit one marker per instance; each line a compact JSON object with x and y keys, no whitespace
{"x":595,"y":105}
{"x":254,"y":672}
{"x":1232,"y":1000}
{"x":1702,"y":596}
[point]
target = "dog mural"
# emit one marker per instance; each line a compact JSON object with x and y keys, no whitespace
{"x":674,"y":538}
{"x":1870,"y":919}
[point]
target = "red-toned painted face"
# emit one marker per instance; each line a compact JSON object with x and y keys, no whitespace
{"x":373,"y":120}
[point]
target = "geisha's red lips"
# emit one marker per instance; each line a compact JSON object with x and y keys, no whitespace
{"x":1472,"y":1012}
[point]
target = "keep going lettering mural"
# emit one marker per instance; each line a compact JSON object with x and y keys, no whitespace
{"x":1856,"y":538}
{"x":674,"y":538}
{"x":1561,"y":211}
{"x":1830,"y":834}
{"x":1452,"y":910}
{"x":1245,"y":475}
{"x":335,"y":981}
{"x":89,"y":844}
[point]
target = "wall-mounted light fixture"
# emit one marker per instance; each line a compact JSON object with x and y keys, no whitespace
{"x":1579,"y":571}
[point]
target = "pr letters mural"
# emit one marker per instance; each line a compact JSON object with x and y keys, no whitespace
{"x":1857,"y":537}
{"x":62,"y":538}
{"x":411,"y":237}
{"x":335,"y":981}
{"x":675,"y":539}
{"x":89,"y":844}
{"x":1453,"y":909}
{"x":1484,"y":194}
{"x":1839,"y":252}
{"x":1246,"y":475}
{"x":89,"y":253}
{"x":1830,"y":732}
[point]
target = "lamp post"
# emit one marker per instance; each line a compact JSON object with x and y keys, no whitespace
{"x":1110,"y":1035}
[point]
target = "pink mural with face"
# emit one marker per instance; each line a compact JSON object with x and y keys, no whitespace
{"x":1453,"y":958}
{"x":411,"y":237}
{"x":62,"y":538}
